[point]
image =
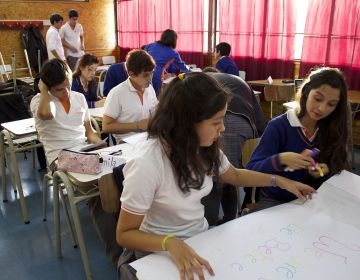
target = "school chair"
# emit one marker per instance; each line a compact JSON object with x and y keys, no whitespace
{"x":67,"y":187}
{"x":246,"y":151}
{"x":100,"y":83}
{"x":278,"y":94}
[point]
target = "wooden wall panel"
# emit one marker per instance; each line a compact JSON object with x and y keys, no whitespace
{"x":96,"y":16}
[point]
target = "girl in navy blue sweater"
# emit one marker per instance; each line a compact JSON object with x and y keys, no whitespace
{"x":320,"y":121}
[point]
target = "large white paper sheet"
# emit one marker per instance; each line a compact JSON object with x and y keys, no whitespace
{"x":318,"y":240}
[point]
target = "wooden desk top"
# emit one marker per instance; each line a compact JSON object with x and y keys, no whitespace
{"x":276,"y":82}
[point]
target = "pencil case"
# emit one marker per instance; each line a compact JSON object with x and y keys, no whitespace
{"x":85,"y":163}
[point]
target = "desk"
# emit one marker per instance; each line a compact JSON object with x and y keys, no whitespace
{"x":97,"y":113}
{"x":275,"y":92}
{"x":19,"y":136}
{"x":72,"y":181}
{"x":317,"y":240}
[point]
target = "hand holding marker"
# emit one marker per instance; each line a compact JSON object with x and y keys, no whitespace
{"x":314,"y":164}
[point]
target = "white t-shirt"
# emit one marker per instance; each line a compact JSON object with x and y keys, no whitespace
{"x":151,"y":189}
{"x":72,"y":36}
{"x":53,"y":42}
{"x":124,"y":105}
{"x":64,"y":131}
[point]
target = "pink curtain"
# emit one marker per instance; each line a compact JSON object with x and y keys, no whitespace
{"x":141,"y":22}
{"x":332,"y":38}
{"x":261,"y":34}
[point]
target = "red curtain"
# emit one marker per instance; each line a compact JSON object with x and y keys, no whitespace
{"x":261,"y":35}
{"x":332,"y":38}
{"x":141,"y":22}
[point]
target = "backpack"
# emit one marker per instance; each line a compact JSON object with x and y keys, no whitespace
{"x":33,"y":41}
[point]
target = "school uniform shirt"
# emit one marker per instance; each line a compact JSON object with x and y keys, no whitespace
{"x":124,"y":105}
{"x":226,"y":65}
{"x":65,"y":130}
{"x":284,"y":133}
{"x":72,"y":36}
{"x":53,"y":42}
{"x":151,"y":189}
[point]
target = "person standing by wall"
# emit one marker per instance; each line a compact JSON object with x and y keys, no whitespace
{"x":72,"y":38}
{"x":53,"y":40}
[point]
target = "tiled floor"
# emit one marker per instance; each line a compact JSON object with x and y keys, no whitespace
{"x":28,"y":251}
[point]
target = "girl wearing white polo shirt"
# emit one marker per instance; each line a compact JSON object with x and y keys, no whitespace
{"x":173,"y":170}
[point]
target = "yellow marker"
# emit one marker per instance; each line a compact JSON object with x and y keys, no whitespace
{"x":318,"y":168}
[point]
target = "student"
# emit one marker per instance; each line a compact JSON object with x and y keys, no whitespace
{"x":83,"y":80}
{"x":54,"y":46}
{"x":243,"y":120}
{"x":115,"y":75}
{"x":320,"y":122}
{"x":62,"y":117}
{"x":62,"y":120}
{"x":166,"y":57}
{"x":72,"y":37}
{"x":128,"y":105}
{"x":173,"y":170}
{"x":223,"y":62}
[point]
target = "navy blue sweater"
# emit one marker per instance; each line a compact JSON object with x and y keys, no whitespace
{"x":279,"y":136}
{"x":227,"y":65}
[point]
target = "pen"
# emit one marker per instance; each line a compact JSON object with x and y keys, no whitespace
{"x":117,"y":152}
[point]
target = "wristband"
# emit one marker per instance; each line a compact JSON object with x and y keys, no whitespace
{"x":273,"y":180}
{"x":163,"y":242}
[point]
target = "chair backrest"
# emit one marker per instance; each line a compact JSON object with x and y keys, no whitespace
{"x":247,"y":149}
{"x":246,"y":152}
{"x":100,"y":86}
{"x":109,"y":59}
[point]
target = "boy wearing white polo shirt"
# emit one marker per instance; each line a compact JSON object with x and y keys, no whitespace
{"x":129,"y":105}
{"x":72,"y":37}
{"x":62,"y":117}
{"x":54,"y":45}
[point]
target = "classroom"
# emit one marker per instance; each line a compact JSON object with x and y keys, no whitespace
{"x":178,"y":139}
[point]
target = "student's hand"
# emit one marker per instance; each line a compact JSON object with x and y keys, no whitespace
{"x":73,"y":49}
{"x":186,"y":260}
{"x":43,"y":88}
{"x":302,"y":191}
{"x":295,"y":161}
{"x":315,"y":172}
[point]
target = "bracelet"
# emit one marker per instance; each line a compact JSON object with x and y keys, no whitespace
{"x":163,"y":242}
{"x":273,"y":180}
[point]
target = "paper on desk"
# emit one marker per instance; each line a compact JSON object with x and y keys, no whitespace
{"x":285,"y":242}
{"x":136,"y":138}
{"x":317,"y":240}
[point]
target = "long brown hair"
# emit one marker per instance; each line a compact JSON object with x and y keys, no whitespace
{"x":187,"y":101}
{"x":333,"y":130}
